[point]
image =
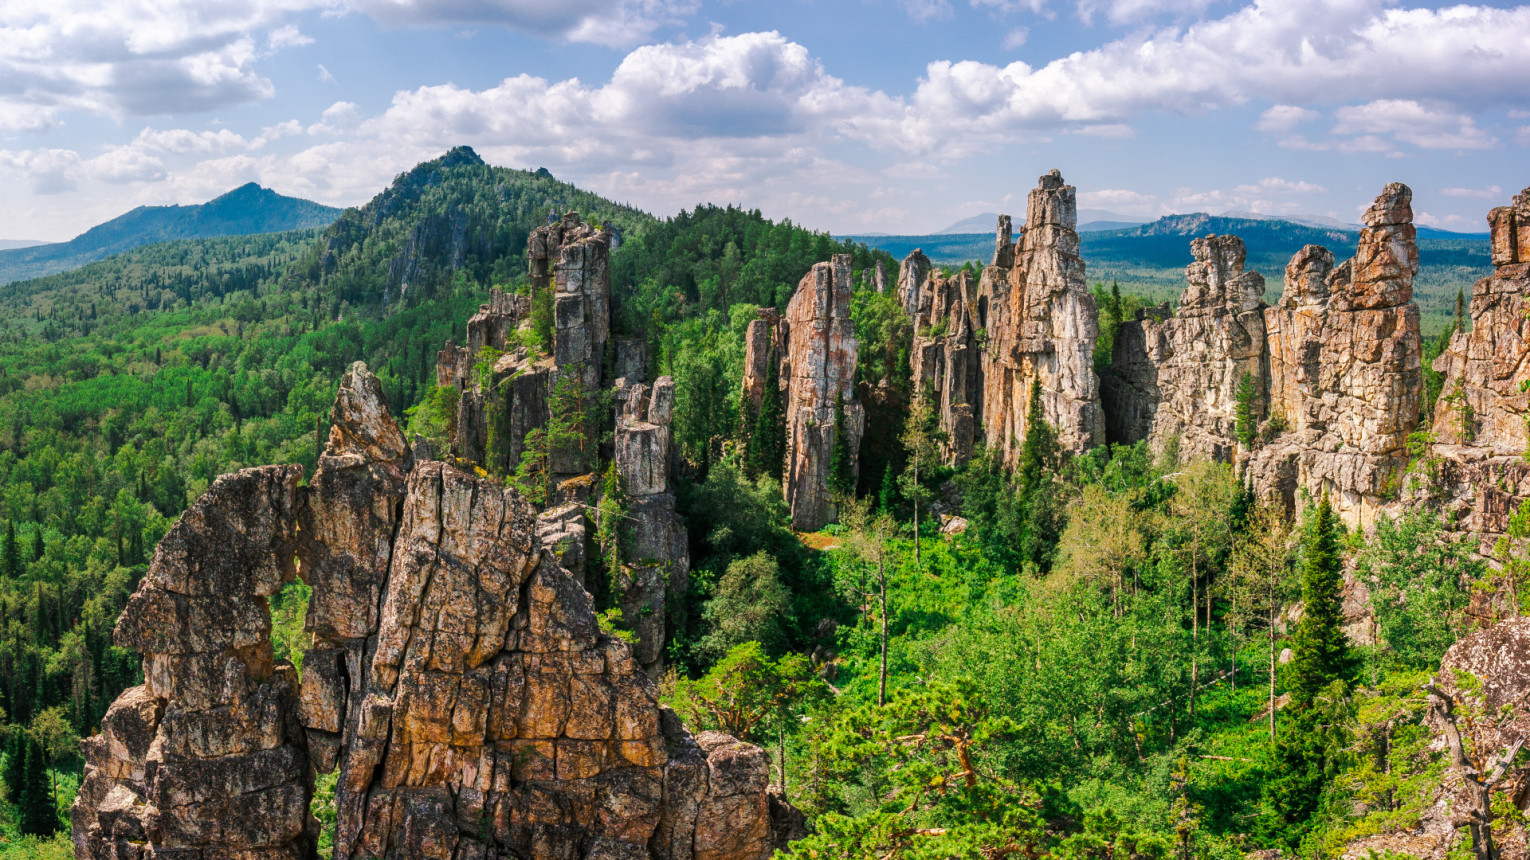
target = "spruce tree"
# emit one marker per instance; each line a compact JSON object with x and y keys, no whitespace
{"x":887,"y":498}
{"x":1321,"y":651}
{"x":11,"y":551}
{"x":1460,"y":323}
{"x":1247,"y":413}
{"x":35,"y":805}
{"x":841,"y":460}
{"x":1041,"y":511}
{"x":37,"y":542}
{"x":767,"y":450}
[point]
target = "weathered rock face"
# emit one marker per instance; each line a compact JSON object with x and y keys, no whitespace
{"x":1041,"y":323}
{"x":1177,"y":377}
{"x":1479,"y":421}
{"x":207,"y":754}
{"x":818,"y":368}
{"x":1345,"y":376}
{"x":912,"y":274}
{"x":763,"y":345}
{"x":946,"y":358}
{"x":657,"y":542}
{"x":457,"y":679}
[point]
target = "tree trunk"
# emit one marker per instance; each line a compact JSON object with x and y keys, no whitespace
{"x":1195,"y":629}
{"x":781,"y":749}
{"x":916,"y":512}
{"x":1272,"y":662}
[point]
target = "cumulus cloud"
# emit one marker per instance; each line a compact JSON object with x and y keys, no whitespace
{"x":1284,"y":118}
{"x":607,"y":22}
{"x":1276,"y":185}
{"x":1409,"y":121}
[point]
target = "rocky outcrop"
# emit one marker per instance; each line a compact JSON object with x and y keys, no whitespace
{"x":495,"y":412}
{"x":1499,"y":657}
{"x":656,"y":545}
{"x":818,"y":371}
{"x":1040,"y":324}
{"x":457,"y":680}
{"x":763,"y":346}
{"x":912,"y":274}
{"x":1176,"y":378}
{"x":207,"y":755}
{"x":1345,"y":375}
{"x":946,"y":359}
{"x":1480,"y":420}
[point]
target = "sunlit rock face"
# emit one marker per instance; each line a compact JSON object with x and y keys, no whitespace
{"x":457,"y":681}
{"x":1039,"y":323}
{"x":1345,"y":372}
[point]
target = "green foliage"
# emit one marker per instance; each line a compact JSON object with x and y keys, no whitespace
{"x":750,"y":604}
{"x":841,"y":461}
{"x":34,"y":803}
{"x":610,"y":517}
{"x":289,"y":612}
{"x":1247,"y":412}
{"x":1320,"y":648}
{"x":1420,"y":579}
{"x":747,"y":693}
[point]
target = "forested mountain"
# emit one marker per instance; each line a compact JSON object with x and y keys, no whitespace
{"x":246,"y":210}
{"x":1084,"y":671}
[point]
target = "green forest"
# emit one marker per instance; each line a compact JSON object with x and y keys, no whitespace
{"x":1092,"y":669}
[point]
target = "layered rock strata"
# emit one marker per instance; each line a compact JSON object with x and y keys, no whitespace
{"x":1480,"y":419}
{"x":1040,"y":324}
{"x":1345,"y":374}
{"x":946,"y":359}
{"x":457,"y":680}
{"x":912,"y":274}
{"x":656,"y":574}
{"x":1175,"y":379}
{"x":818,"y":370}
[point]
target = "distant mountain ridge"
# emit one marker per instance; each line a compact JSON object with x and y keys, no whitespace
{"x":9,"y":244}
{"x":246,"y":210}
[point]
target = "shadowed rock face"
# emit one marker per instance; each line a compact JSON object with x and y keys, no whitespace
{"x":819,"y":367}
{"x":457,"y":680}
{"x":1479,"y":422}
{"x":1345,"y":373}
{"x":946,"y":360}
{"x":1177,"y":377}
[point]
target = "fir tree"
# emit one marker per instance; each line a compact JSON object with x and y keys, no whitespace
{"x":766,"y":453}
{"x":1042,"y":515}
{"x":11,"y":551}
{"x":841,"y":462}
{"x":1460,"y":323}
{"x":1247,"y":412}
{"x":15,"y":767}
{"x":35,"y":803}
{"x":887,"y":497}
{"x":38,"y":548}
{"x":1321,"y":651}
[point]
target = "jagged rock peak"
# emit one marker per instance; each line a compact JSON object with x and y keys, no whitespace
{"x":1217,"y":278}
{"x":457,"y":680}
{"x":912,"y":274}
{"x":819,"y":368}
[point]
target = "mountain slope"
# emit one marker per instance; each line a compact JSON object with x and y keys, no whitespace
{"x":246,"y":210}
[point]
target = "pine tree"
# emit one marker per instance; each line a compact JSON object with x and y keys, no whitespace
{"x":1321,"y":651}
{"x":11,"y":551}
{"x":841,"y":460}
{"x":887,"y":497}
{"x":1460,"y":323}
{"x":1041,"y":511}
{"x":35,"y":804}
{"x":1247,"y":413}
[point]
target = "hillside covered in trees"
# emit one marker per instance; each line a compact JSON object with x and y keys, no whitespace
{"x":1074,"y":654}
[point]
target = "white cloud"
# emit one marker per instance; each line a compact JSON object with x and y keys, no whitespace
{"x":1276,"y":185}
{"x":285,"y":37}
{"x":1469,"y":57}
{"x":927,"y":10}
{"x":124,"y":164}
{"x":48,"y":171}
{"x":1015,"y":38}
{"x":1284,"y":118}
{"x":180,"y":140}
{"x":606,"y":22}
{"x":1120,"y":200}
{"x":1492,"y":192}
{"x":325,"y":76}
{"x":1411,"y":122}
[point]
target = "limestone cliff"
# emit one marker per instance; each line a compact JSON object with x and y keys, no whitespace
{"x":818,"y":368}
{"x":1345,"y":372}
{"x":1479,"y":422}
{"x":1040,"y":324}
{"x":457,"y":680}
{"x":1177,"y":377}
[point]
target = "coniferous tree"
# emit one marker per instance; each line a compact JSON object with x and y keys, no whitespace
{"x":15,"y":767}
{"x":38,"y":548}
{"x":1042,"y":513}
{"x":887,"y":497}
{"x":766,"y":452}
{"x":1320,"y":648}
{"x":11,"y":551}
{"x":841,"y":465}
{"x":1460,"y":323}
{"x":35,"y":805}
{"x":1247,"y":412}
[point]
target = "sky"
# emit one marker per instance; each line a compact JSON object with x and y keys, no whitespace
{"x":897,"y":116}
